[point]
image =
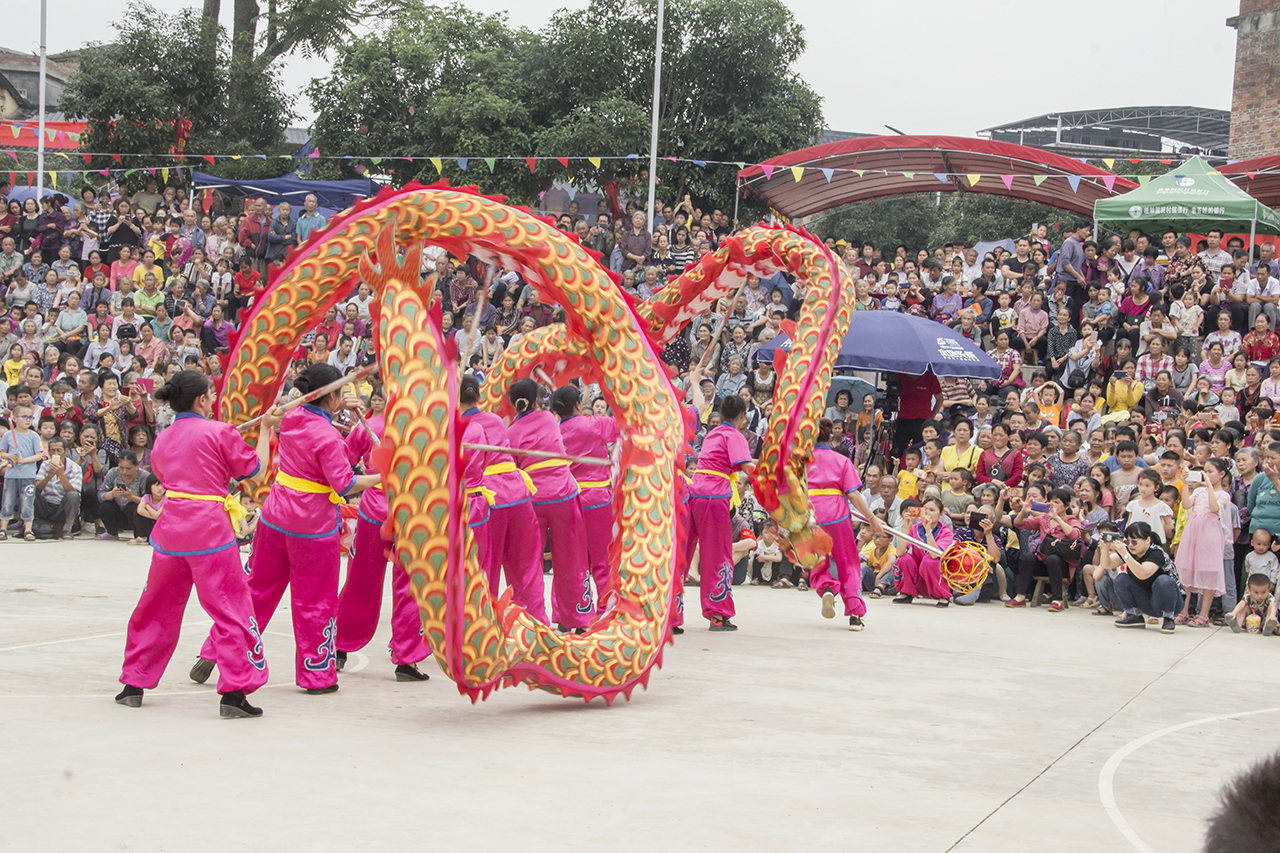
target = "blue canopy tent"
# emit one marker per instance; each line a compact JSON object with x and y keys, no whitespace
{"x":334,"y":195}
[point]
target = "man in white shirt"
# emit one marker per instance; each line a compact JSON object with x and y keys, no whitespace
{"x":1214,"y":257}
{"x":972,"y":266}
{"x":344,"y":357}
{"x":888,"y":501}
{"x":1263,"y":296}
{"x":58,"y":484}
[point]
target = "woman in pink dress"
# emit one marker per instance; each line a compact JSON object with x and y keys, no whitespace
{"x":1199,"y":558}
{"x":556,"y":504}
{"x":833,"y":485}
{"x":589,"y":436}
{"x":194,"y":542}
{"x":919,"y":572}
{"x":297,"y":544}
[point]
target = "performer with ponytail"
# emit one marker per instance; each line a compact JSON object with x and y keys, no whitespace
{"x":590,"y":436}
{"x":712,"y":495}
{"x":555,"y":503}
{"x":194,"y":542}
{"x":507,"y":541}
{"x":833,"y":485}
{"x":360,"y":601}
{"x":297,"y":541}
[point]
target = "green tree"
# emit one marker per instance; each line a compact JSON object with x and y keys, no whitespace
{"x":162,"y":69}
{"x":449,"y":83}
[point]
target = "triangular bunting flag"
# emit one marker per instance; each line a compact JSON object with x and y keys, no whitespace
{"x":151,"y":171}
{"x":1109,"y":181}
{"x":102,"y":172}
{"x":14,"y":155}
{"x":438,"y":163}
{"x":1167,"y":162}
{"x":87,"y":158}
{"x":973,"y":179}
{"x":1108,"y":162}
{"x":563,"y":161}
{"x":462,"y":163}
{"x":315,"y":152}
{"x":68,"y":177}
{"x":1039,"y":179}
{"x":1135,"y":160}
{"x":51,"y":133}
{"x":376,"y":160}
{"x":797,"y":172}
{"x":768,"y":171}
{"x":53,"y":179}
{"x":910,"y":176}
{"x":164,"y":175}
{"x":594,"y":161}
{"x":859,"y":172}
{"x":941,"y":176}
{"x":572,"y":192}
{"x":701,"y":164}
{"x":15,"y":130}
{"x":740,"y":165}
{"x":1074,"y":180}
{"x":492,"y":163}
{"x":13,"y":179}
{"x":633,"y":156}
{"x":208,"y":158}
{"x":31,"y":179}
{"x":235,"y":156}
{"x":532,"y":161}
{"x":1142,"y":180}
{"x":1250,"y":174}
{"x":1008,"y":181}
{"x":828,"y":173}
{"x":117,"y":158}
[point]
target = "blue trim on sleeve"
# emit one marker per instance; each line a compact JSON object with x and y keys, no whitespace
{"x":741,"y":462}
{"x":200,"y":553}
{"x":844,"y":517}
{"x":257,"y":466}
{"x":360,"y":514}
{"x":350,"y":485}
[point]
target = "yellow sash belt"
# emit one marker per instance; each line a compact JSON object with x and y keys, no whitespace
{"x":594,"y":484}
{"x":308,"y":486}
{"x":734,"y":498}
{"x":548,"y":463}
{"x":231,"y":503}
{"x":489,"y":496}
{"x":835,"y":493}
{"x":507,"y":468}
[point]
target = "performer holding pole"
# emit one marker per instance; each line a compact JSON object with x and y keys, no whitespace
{"x":556,"y":505}
{"x":194,"y":543}
{"x":589,"y":436}
{"x":509,"y":544}
{"x":712,"y":495}
{"x":297,"y":542}
{"x":360,"y":601}
{"x":833,"y":483}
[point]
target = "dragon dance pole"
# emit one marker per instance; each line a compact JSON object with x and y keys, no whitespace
{"x":312,"y":396}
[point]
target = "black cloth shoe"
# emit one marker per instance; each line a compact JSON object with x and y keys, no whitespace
{"x":904,"y":599}
{"x":320,"y":691}
{"x":677,"y":629}
{"x":722,"y":624}
{"x":409,"y":672}
{"x":342,"y":660}
{"x":1166,"y":625}
{"x":201,"y":671}
{"x":942,"y":602}
{"x":1132,"y":620}
{"x":856,"y":623}
{"x":234,"y":704}
{"x":130,"y":697}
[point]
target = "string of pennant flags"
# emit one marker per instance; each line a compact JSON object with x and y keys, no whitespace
{"x":797,"y":173}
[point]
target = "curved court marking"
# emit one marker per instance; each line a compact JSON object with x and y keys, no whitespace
{"x":1106,"y":779}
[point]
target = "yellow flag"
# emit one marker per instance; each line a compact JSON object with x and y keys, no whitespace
{"x":1108,"y":162}
{"x":164,"y":175}
{"x":435,"y":161}
{"x":53,"y":179}
{"x":797,"y":172}
{"x":594,"y":161}
{"x":973,"y":179}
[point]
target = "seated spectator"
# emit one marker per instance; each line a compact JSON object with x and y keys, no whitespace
{"x":58,"y":481}
{"x":1058,"y":554}
{"x":1147,"y":582}
{"x":121,"y":491}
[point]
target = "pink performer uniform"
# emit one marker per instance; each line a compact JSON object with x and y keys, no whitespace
{"x":360,"y":602}
{"x":510,"y":544}
{"x":590,"y":435}
{"x":556,"y":505}
{"x":919,"y":572}
{"x":297,"y":542}
{"x":832,"y":477}
{"x":724,"y":452}
{"x":683,"y":515}
{"x":195,"y":543}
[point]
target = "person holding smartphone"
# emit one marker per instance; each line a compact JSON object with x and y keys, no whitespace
{"x":1058,"y":554}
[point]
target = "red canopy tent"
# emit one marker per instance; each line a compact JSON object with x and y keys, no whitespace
{"x":1259,"y":177}
{"x":814,"y":179}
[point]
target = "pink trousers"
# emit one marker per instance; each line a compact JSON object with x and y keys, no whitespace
{"x":571,"y":604}
{"x":597,"y":520}
{"x":360,"y":601}
{"x":309,"y":567}
{"x":921,"y":575}
{"x":515,"y":548}
{"x":844,"y":557}
{"x":684,"y":555}
{"x":223,"y":591}
{"x":711,"y":531}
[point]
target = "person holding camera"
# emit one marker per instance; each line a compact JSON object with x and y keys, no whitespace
{"x":1147,"y":581}
{"x":1059,"y":552}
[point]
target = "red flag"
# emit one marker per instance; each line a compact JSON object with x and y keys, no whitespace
{"x":532,"y":161}
{"x":208,"y":158}
{"x":13,"y":178}
{"x":117,"y":158}
{"x":87,"y":158}
{"x":31,"y":179}
{"x":1167,"y":162}
{"x":564,"y":161}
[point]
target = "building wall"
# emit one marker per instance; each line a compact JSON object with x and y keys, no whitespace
{"x":1255,"y":100}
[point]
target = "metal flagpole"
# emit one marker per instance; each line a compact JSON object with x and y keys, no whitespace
{"x":653,"y":134}
{"x":44,"y":20}
{"x":737,"y":193}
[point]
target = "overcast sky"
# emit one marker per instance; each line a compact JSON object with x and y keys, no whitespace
{"x":923,"y":66}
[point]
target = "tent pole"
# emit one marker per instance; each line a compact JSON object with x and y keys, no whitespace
{"x":1253,"y":230}
{"x":871,"y":442}
{"x":737,"y":193}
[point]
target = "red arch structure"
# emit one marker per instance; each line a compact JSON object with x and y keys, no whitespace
{"x":814,"y":179}
{"x":1259,"y":177}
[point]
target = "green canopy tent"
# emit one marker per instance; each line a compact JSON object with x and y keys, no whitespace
{"x":1193,"y":196}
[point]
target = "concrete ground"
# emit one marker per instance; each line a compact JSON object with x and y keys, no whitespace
{"x":975,"y":729}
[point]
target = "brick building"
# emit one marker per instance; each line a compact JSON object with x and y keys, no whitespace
{"x":1255,"y":100}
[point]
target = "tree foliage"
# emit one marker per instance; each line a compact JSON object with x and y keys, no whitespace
{"x":449,"y":83}
{"x":160,"y":70}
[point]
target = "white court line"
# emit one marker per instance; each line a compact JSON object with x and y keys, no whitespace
{"x":71,"y":640}
{"x":1106,"y":779}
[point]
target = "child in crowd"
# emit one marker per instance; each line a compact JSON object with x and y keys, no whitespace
{"x":1172,"y":498}
{"x":21,"y":451}
{"x":1199,"y":556}
{"x":878,"y":557}
{"x":891,"y":302}
{"x":1149,"y":508}
{"x":957,"y":495}
{"x":910,"y":475}
{"x":1256,"y":612}
{"x":150,"y":506}
{"x":1262,"y":560}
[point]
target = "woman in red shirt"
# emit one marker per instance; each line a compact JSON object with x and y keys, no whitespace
{"x":1262,"y":344}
